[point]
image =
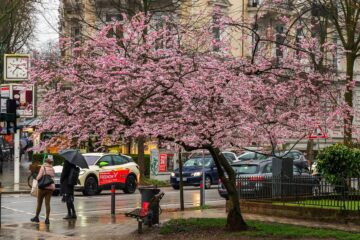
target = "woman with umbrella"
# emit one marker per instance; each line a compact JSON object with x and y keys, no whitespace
{"x":69,"y":178}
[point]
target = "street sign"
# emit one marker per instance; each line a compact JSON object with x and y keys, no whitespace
{"x":318,"y":133}
{"x":113,"y":176}
{"x":5,"y":93}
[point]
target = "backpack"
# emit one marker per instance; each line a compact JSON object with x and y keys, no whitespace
{"x":74,"y":176}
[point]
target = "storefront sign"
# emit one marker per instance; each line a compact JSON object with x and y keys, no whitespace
{"x":24,"y":94}
{"x":163,"y":162}
{"x":113,"y":176}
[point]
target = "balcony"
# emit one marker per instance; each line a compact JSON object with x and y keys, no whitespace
{"x":72,"y":6}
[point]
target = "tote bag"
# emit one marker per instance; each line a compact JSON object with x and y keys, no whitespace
{"x":45,"y":180}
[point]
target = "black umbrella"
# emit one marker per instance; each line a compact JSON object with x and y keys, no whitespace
{"x":73,"y":156}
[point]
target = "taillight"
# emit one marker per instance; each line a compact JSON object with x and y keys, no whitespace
{"x":256,"y":178}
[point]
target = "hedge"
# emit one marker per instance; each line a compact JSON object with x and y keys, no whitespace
{"x":38,"y":158}
{"x":147,"y":162}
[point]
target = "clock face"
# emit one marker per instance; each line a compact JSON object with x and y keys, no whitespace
{"x":17,"y":67}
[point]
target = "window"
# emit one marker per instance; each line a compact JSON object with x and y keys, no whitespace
{"x":119,"y":160}
{"x":296,"y":170}
{"x":268,"y":168}
{"x":246,"y":169}
{"x":254,"y":3}
{"x":229,"y":156}
{"x":247,"y":156}
{"x":106,"y":159}
{"x":216,"y":32}
{"x":76,"y":33}
{"x":279,"y":42}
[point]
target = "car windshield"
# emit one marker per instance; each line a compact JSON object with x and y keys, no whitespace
{"x":246,"y":169}
{"x":91,"y":160}
{"x":198,"y":162}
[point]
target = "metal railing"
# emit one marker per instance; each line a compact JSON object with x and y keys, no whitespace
{"x":302,"y":191}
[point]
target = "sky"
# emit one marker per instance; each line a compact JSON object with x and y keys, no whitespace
{"x":46,"y":29}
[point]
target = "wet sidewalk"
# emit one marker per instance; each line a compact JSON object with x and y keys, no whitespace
{"x":101,"y":226}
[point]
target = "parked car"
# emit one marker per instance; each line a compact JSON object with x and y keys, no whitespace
{"x":251,"y":156}
{"x":88,"y":181}
{"x":230,"y":156}
{"x":256,"y":178}
{"x":192,"y":173}
{"x":297,"y":156}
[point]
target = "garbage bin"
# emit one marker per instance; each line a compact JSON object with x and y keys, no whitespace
{"x":147,"y":193}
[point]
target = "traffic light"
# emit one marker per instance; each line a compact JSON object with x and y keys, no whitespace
{"x":11,"y":106}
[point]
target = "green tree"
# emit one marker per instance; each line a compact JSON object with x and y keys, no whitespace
{"x":339,"y":162}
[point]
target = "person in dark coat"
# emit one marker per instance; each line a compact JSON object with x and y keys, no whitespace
{"x":68,"y":179}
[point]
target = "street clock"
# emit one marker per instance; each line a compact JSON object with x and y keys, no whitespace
{"x":16,"y":67}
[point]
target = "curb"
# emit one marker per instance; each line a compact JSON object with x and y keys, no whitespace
{"x":15,"y":192}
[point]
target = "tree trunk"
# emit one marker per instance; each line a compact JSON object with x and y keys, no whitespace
{"x":141,"y":162}
{"x":235,"y":221}
{"x":348,"y":121}
{"x":181,"y":183}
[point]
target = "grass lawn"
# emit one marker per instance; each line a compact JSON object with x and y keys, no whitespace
{"x":324,"y":203}
{"x":214,"y":228}
{"x":154,"y":182}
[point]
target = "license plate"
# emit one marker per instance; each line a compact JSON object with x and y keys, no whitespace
{"x":184,"y":179}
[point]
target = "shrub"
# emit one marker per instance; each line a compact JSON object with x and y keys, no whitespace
{"x":38,"y":158}
{"x":339,"y":162}
{"x":146,"y":160}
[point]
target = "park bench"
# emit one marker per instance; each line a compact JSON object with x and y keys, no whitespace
{"x":144,"y":214}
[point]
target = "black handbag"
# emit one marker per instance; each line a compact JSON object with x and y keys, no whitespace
{"x":45,"y":180}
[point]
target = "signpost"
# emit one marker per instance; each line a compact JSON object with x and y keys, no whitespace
{"x":318,"y":134}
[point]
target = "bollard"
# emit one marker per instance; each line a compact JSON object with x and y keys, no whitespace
{"x":202,"y":197}
{"x":0,"y":203}
{"x":113,"y":200}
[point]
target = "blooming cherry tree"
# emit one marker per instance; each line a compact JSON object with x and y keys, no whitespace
{"x":168,"y":84}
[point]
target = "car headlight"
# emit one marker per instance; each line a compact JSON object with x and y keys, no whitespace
{"x":82,"y":172}
{"x":172,"y":174}
{"x":196,"y":174}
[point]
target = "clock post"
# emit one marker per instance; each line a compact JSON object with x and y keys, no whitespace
{"x":16,"y":69}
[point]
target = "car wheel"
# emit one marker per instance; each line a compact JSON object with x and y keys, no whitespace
{"x":130,"y":184}
{"x":176,"y":187}
{"x":207,"y":182}
{"x":90,"y":187}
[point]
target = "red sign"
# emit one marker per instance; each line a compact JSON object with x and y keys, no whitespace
{"x":163,"y":162}
{"x":113,"y":176}
{"x":317,"y":133}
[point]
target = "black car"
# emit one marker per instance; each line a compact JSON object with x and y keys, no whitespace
{"x":192,"y":173}
{"x":255,"y":178}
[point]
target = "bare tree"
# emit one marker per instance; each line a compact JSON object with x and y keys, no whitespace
{"x":16,"y":25}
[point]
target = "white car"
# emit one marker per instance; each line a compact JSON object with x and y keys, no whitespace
{"x":88,"y":181}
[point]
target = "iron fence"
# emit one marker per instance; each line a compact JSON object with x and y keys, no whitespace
{"x":301,"y":190}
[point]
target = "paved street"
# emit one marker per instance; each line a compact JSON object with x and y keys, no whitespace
{"x":20,"y":208}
